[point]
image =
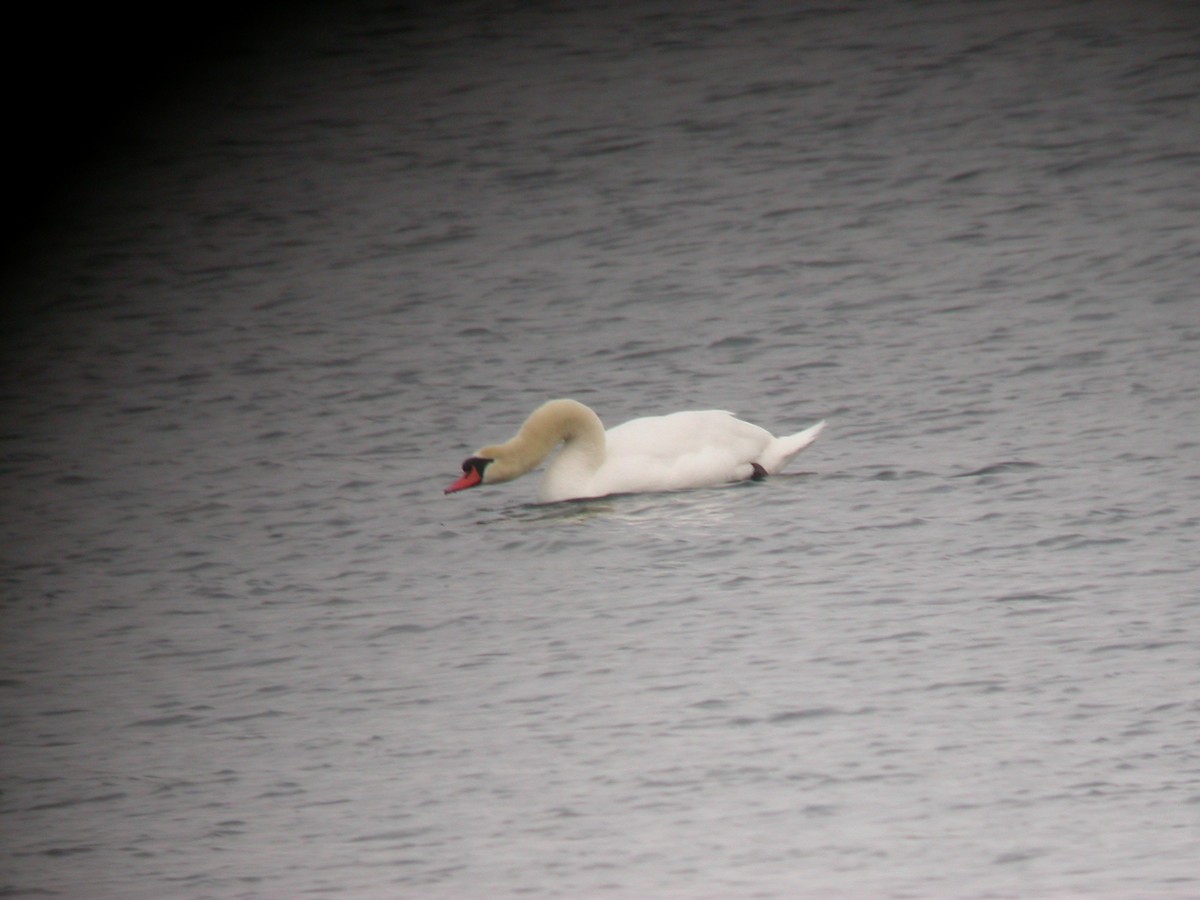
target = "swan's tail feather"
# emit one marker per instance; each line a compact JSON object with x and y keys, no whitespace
{"x":784,"y":448}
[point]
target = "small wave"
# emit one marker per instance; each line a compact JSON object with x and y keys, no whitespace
{"x":999,"y":468}
{"x":1032,"y":597}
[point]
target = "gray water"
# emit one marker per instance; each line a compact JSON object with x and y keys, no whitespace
{"x":251,"y":650}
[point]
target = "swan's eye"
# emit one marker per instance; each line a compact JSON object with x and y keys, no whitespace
{"x":467,"y":464}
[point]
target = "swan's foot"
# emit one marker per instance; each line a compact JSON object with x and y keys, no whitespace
{"x":759,"y":472}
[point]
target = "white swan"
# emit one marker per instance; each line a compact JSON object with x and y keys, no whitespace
{"x":658,"y":453}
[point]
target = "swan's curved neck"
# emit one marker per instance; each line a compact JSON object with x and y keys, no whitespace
{"x":566,"y":422}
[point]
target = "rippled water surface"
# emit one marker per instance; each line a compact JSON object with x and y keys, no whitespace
{"x":251,"y":650}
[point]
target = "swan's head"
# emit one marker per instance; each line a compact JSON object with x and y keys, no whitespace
{"x":474,"y":470}
{"x":491,"y":465}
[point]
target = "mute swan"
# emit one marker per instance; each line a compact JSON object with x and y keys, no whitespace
{"x":658,"y":453}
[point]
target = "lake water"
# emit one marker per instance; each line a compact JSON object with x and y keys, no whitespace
{"x":249,"y":648}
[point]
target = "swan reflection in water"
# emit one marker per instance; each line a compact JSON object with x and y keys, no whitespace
{"x":703,"y":507}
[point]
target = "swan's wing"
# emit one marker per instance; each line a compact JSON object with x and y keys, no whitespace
{"x":682,"y":450}
{"x":682,"y":433}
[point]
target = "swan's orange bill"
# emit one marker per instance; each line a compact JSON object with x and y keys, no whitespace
{"x":470,"y":478}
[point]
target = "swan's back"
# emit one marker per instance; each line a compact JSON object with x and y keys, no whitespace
{"x":678,"y":434}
